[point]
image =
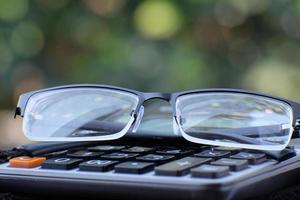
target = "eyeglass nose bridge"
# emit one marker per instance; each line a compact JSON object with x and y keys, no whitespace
{"x":155,"y":95}
{"x":139,"y":112}
{"x":149,"y":96}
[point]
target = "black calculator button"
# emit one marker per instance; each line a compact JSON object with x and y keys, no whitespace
{"x":121,"y":156}
{"x":137,"y":149}
{"x":253,"y":158}
{"x":233,"y":164}
{"x":134,"y":167}
{"x":210,"y":171}
{"x":158,"y":159}
{"x":213,"y":154}
{"x":84,"y":154}
{"x":106,"y":148}
{"x":199,"y":148}
{"x":180,"y":167}
{"x":97,"y":165}
{"x":56,"y":154}
{"x":61,"y":163}
{"x":175,"y":152}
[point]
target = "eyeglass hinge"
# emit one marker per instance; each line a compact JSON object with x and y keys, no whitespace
{"x":297,"y":128}
{"x":297,"y":124}
{"x":17,"y":112}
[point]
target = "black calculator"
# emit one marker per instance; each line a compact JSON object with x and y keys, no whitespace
{"x":148,"y":169}
{"x":152,"y":165}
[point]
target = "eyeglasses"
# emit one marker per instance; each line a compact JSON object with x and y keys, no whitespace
{"x":218,"y":117}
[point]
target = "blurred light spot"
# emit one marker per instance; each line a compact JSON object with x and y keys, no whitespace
{"x":104,"y":7}
{"x":6,"y":57}
{"x":98,"y":99}
{"x":215,"y":104}
{"x":187,"y":68}
{"x":88,"y":30}
{"x":250,"y":7}
{"x":297,"y":5}
{"x":11,"y":10}
{"x":275,"y":77}
{"x":26,"y":77}
{"x":37,"y":116}
{"x":227,"y":14}
{"x":290,"y":23}
{"x":27,"y":39}
{"x":52,"y":4}
{"x":60,"y":53}
{"x":157,"y":19}
{"x":143,"y":56}
{"x":210,"y":35}
{"x":67,"y":115}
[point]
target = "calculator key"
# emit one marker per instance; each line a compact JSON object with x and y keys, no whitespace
{"x":213,"y":154}
{"x":61,"y":163}
{"x":233,"y":164}
{"x":253,"y":158}
{"x":84,"y":154}
{"x":137,"y":149}
{"x":26,"y":161}
{"x":158,"y":159}
{"x":199,"y":148}
{"x":106,"y":148}
{"x":134,"y":167}
{"x":175,"y":152}
{"x":56,"y":154}
{"x":180,"y":167}
{"x":97,"y":165}
{"x":210,"y":171}
{"x":121,"y":156}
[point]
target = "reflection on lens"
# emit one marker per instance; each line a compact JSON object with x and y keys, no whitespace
{"x":235,"y":119}
{"x":82,"y":112}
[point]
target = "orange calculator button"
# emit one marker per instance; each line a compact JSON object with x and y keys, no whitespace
{"x":26,"y":161}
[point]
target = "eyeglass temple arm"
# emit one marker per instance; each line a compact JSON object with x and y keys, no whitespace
{"x":49,"y":147}
{"x":108,"y":125}
{"x":39,"y":149}
{"x":235,"y":134}
{"x":296,"y":133}
{"x":261,"y":130}
{"x":220,"y":135}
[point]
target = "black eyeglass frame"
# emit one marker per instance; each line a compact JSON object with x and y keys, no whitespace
{"x":170,"y":97}
{"x":145,"y":96}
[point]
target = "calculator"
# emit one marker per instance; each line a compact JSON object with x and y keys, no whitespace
{"x":155,"y":165}
{"x":144,"y":169}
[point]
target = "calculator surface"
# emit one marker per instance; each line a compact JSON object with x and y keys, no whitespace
{"x":189,"y":171}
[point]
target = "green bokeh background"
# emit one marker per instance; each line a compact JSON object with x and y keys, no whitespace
{"x":149,"y":45}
